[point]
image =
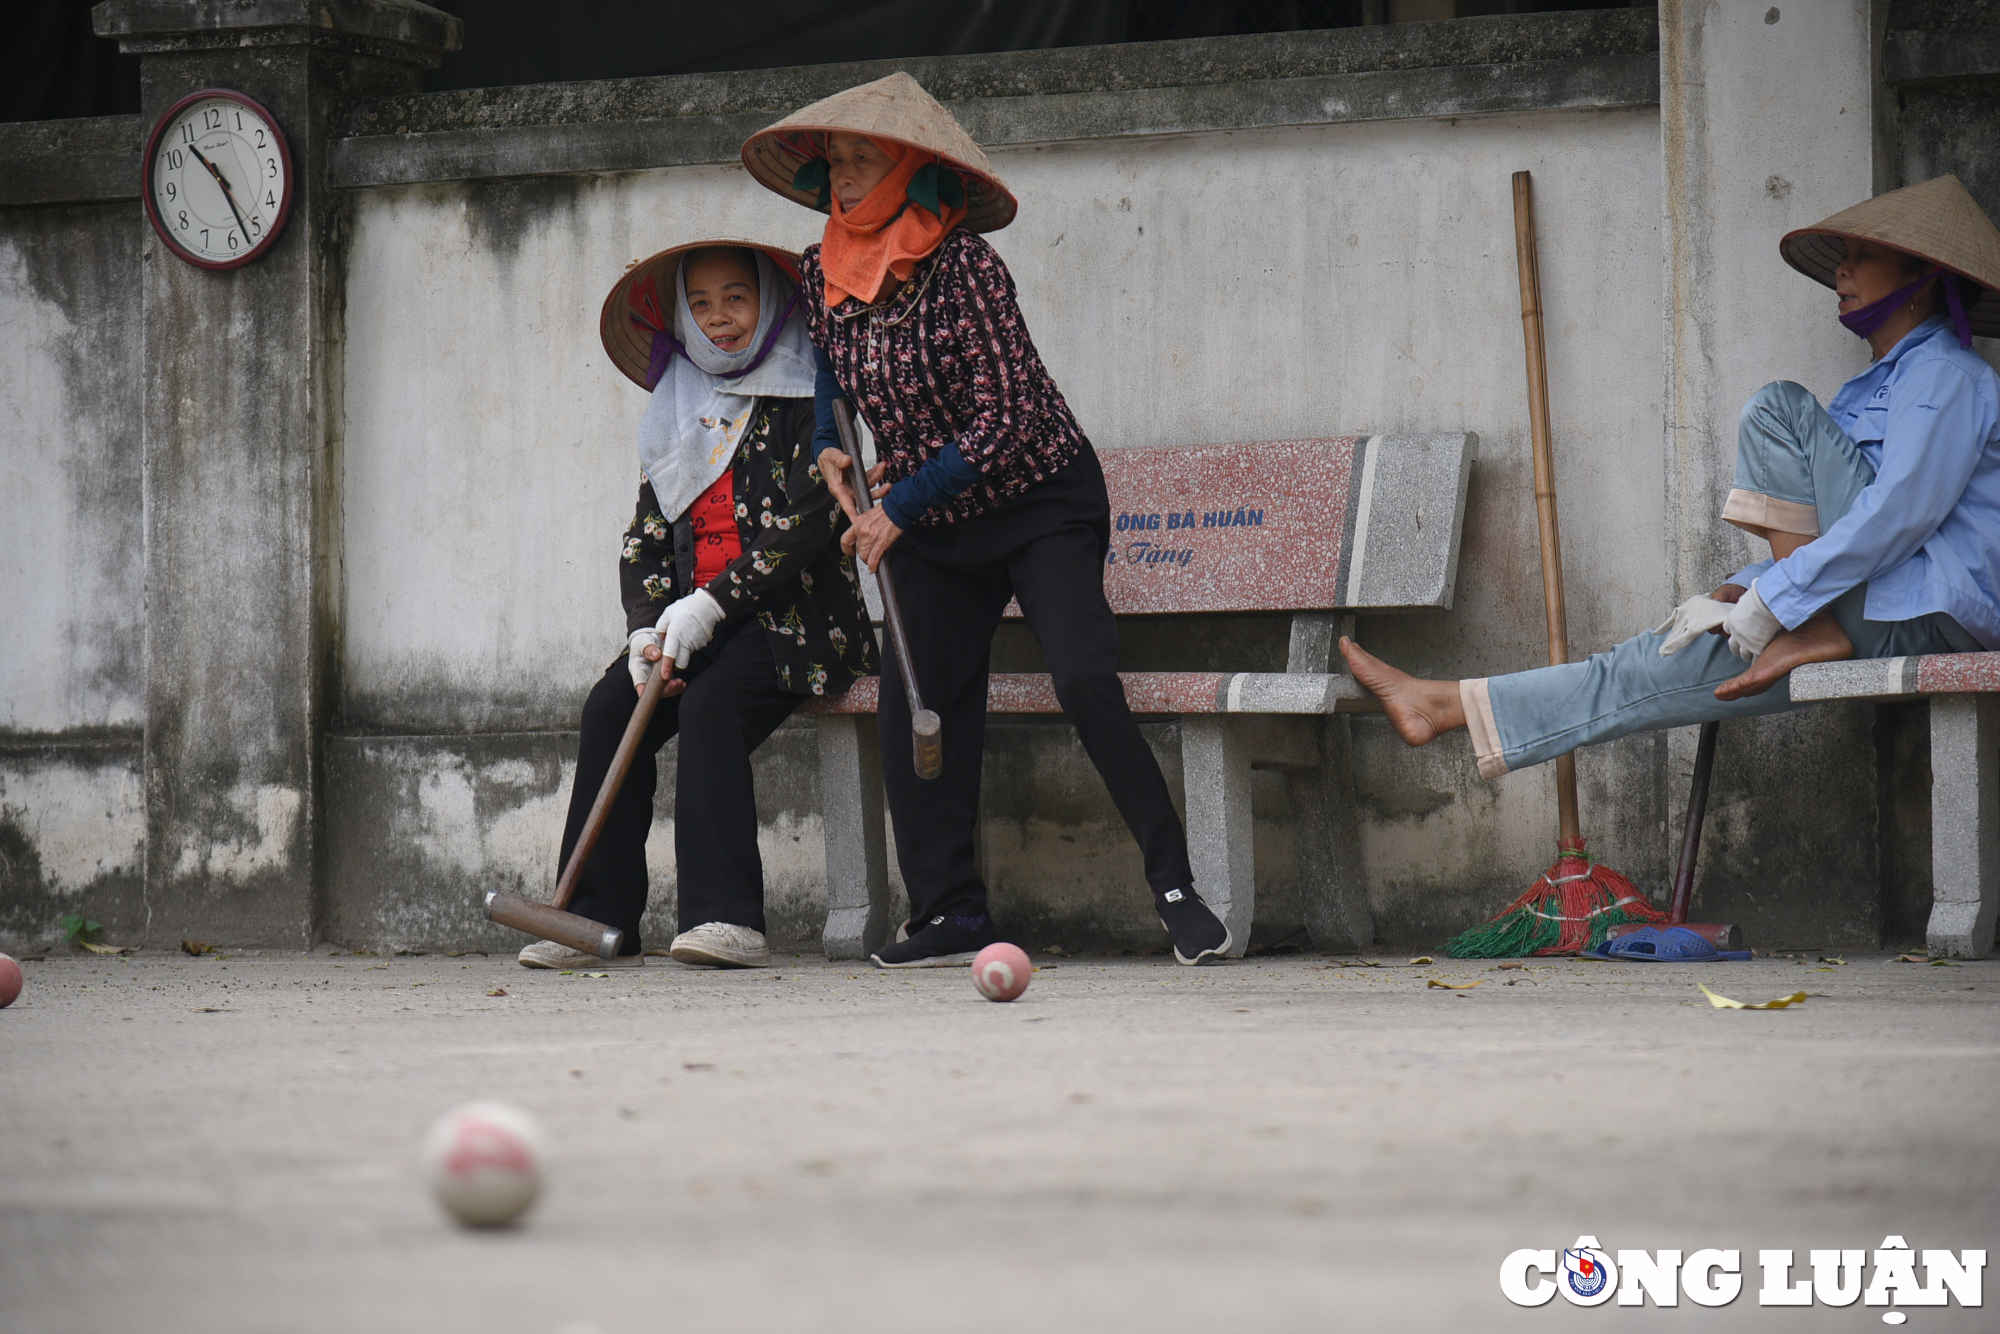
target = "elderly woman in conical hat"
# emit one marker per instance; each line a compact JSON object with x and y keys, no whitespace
{"x":732,"y":578}
{"x":1882,"y":510}
{"x":990,"y":490}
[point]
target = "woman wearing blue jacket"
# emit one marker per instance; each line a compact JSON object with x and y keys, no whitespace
{"x":1882,"y":511}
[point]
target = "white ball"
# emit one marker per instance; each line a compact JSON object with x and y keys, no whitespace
{"x":484,"y":1161}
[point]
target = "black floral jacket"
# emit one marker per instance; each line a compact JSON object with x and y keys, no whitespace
{"x":791,"y":576}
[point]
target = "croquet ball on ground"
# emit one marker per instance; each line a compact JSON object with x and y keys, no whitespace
{"x":1001,"y":971}
{"x":484,"y":1161}
{"x":10,"y":980}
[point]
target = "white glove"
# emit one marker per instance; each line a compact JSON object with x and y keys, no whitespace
{"x":1751,"y":625}
{"x":688,"y":625}
{"x":635,"y":654}
{"x":1692,"y":619}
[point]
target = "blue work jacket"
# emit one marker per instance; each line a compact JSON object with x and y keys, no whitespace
{"x":1925,"y":534}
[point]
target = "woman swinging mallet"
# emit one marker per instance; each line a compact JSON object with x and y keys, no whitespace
{"x":992,"y":490}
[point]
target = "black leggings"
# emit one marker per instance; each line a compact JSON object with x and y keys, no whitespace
{"x":731,"y":704}
{"x":952,"y":611}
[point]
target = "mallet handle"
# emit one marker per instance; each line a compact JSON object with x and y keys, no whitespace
{"x":926,"y":729}
{"x":1704,"y":764}
{"x":600,"y":810}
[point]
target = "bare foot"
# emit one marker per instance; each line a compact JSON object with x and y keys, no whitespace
{"x":1819,"y":640}
{"x":1419,"y":710}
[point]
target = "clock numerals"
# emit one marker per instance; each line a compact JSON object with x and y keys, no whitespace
{"x":218,"y":179}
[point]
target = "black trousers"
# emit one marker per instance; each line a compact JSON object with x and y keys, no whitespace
{"x":954,"y":582}
{"x":731,"y":704}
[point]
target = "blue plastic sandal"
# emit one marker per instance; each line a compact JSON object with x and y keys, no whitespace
{"x":1664,"y":944}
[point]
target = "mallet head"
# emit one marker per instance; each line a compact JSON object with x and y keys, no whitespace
{"x":564,"y":928}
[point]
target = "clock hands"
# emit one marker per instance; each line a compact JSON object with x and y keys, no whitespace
{"x":227,"y":193}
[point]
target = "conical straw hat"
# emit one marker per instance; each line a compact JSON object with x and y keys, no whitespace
{"x":893,"y":108}
{"x":1936,"y":221}
{"x":641,"y":303}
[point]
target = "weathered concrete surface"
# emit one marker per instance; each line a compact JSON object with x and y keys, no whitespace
{"x":72,"y":822}
{"x":230,"y":1145}
{"x":1539,"y":62}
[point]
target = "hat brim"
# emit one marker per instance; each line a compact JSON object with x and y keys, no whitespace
{"x":627,"y":340}
{"x":1818,"y":253}
{"x":775,"y":155}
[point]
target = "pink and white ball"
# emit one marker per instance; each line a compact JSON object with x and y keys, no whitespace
{"x":1001,"y":971}
{"x":484,"y":1162}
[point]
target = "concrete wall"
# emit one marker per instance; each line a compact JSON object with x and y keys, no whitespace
{"x":72,"y":815}
{"x":1220,"y":240}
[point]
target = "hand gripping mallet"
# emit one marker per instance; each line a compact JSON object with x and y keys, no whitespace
{"x":551,"y":920}
{"x":926,"y":731}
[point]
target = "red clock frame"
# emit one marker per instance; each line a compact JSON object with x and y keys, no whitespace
{"x":148,"y":162}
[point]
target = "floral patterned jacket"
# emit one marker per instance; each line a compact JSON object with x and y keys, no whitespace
{"x":948,"y":358}
{"x":791,"y":576}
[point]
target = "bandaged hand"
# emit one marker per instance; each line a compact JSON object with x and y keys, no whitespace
{"x":636,"y":660}
{"x":1750,"y":625}
{"x":1692,"y":619}
{"x":687,"y":626}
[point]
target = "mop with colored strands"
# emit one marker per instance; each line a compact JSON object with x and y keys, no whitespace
{"x":1579,"y":899}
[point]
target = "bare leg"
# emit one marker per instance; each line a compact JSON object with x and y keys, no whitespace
{"x":1819,"y":640}
{"x":1419,"y":710}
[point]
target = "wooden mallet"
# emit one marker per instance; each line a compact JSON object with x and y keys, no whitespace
{"x":926,"y":730}
{"x":552,"y":920}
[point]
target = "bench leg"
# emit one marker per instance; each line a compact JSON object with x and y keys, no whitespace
{"x":1965,"y":773}
{"x":857,"y":860}
{"x":1215,"y":765}
{"x":1328,"y":844}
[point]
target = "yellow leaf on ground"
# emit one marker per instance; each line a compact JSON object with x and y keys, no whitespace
{"x":1913,"y":958}
{"x":1935,"y":963}
{"x":105,"y":949}
{"x":1831,"y":958}
{"x":1421,"y":960}
{"x":1450,"y":986}
{"x":1724,"y":1003}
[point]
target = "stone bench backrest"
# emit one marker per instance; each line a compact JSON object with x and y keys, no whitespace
{"x":1348,"y":523}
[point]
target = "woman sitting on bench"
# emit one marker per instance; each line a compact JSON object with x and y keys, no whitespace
{"x":1882,"y":511}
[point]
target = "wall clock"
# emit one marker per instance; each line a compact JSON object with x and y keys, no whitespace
{"x":217,"y":179}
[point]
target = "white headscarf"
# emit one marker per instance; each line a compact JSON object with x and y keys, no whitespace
{"x":696,"y":418}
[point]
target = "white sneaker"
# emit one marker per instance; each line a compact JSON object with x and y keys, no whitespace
{"x":723,"y":944}
{"x":548,"y":954}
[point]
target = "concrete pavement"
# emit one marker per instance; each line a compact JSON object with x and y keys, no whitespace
{"x":1282,"y":1144}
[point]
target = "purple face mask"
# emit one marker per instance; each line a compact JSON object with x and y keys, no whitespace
{"x":1874,"y":315}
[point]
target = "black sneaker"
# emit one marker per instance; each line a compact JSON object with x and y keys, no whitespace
{"x":1199,"y":935}
{"x":943,"y":942}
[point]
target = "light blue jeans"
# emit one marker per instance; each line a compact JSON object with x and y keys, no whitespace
{"x":1794,"y":467}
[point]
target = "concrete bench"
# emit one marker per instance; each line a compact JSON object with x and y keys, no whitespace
{"x":1317,"y":528}
{"x":1964,"y":694}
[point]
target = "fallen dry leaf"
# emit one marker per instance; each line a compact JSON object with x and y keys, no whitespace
{"x":1724,"y":1003}
{"x":1832,"y":958}
{"x":194,"y":947}
{"x":1450,"y":986}
{"x":1943,"y":963}
{"x":1513,"y":963}
{"x":106,"y":949}
{"x":1421,"y":960}
{"x":497,"y":991}
{"x":1913,"y":958}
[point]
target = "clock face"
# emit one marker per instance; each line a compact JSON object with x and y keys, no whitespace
{"x":218,"y":179}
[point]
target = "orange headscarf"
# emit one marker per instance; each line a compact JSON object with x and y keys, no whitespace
{"x":887,"y":234}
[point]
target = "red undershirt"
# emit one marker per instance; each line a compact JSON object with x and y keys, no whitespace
{"x":717,"y":543}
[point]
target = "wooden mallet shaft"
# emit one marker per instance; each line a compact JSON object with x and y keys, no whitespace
{"x":551,"y":920}
{"x":926,"y":729}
